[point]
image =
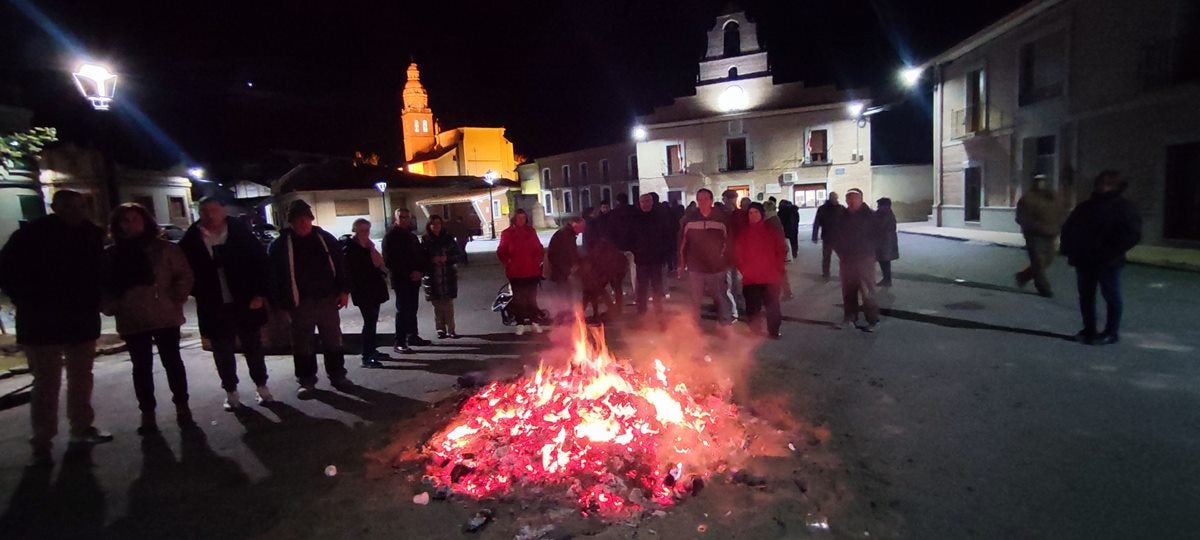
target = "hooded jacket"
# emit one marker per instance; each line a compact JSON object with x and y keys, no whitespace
{"x":520,"y":252}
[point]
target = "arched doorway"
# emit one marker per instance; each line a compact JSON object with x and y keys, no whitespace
{"x":733,"y":39}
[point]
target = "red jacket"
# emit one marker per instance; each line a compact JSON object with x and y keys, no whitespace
{"x":760,"y":254}
{"x":520,"y":252}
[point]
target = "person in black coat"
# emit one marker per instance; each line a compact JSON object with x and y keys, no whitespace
{"x":649,"y":244}
{"x":231,"y":288}
{"x":1094,"y":239}
{"x":308,"y":276}
{"x":407,"y":263}
{"x":48,"y":268}
{"x":825,"y":224}
{"x":855,"y":240}
{"x":789,"y":217}
{"x":888,"y":248}
{"x":441,"y":282}
{"x":368,"y":285}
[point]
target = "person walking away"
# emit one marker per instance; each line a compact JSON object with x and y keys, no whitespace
{"x":308,"y":276}
{"x":462,"y":235}
{"x":146,"y":282}
{"x":231,"y":285}
{"x":825,"y":226}
{"x":1039,"y":213}
{"x":854,"y":240}
{"x":521,"y":251}
{"x":704,"y":257}
{"x":407,"y":263}
{"x":441,"y":282}
{"x":761,"y":256}
{"x":563,"y":259}
{"x":368,"y":286}
{"x":888,"y":247}
{"x":1095,"y":238}
{"x":650,"y":246}
{"x":48,"y":270}
{"x":789,"y":217}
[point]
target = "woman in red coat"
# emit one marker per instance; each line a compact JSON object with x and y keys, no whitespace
{"x":520,"y":252}
{"x":761,"y":255}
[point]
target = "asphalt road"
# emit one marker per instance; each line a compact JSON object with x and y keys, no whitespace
{"x":969,"y":414}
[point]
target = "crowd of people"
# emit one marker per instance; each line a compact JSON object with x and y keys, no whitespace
{"x":61,"y":277}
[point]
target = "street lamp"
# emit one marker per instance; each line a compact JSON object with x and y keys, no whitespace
{"x":196,"y":173}
{"x":639,"y":133}
{"x":97,"y":84}
{"x":855,"y":109}
{"x":382,"y":187}
{"x":910,"y":76}
{"x":491,"y":177}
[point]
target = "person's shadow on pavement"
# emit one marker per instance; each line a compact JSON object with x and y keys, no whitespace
{"x":73,"y":507}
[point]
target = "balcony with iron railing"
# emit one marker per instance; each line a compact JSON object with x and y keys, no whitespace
{"x":975,"y":120}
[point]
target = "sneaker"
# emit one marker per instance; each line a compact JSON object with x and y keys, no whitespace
{"x":264,"y":395}
{"x":418,"y":341}
{"x":402,"y":348}
{"x":305,"y":392}
{"x":92,"y":435}
{"x":232,"y":401}
{"x":452,"y":335}
{"x":774,"y":336}
{"x":1105,"y":339}
{"x":884,"y":283}
{"x":520,"y":329}
{"x":871,"y":327}
{"x":441,"y":334}
{"x":370,"y":362}
{"x":537,"y":328}
{"x":844,"y":325}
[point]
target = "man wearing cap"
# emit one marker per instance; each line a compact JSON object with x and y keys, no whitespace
{"x":1040,"y":215}
{"x":854,"y":241}
{"x":309,"y":281}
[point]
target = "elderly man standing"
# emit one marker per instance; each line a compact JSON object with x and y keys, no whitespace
{"x":48,"y":270}
{"x":231,"y":287}
{"x":1040,"y":215}
{"x":309,"y":278}
{"x":855,"y":241}
{"x":703,"y":253}
{"x":408,"y":263}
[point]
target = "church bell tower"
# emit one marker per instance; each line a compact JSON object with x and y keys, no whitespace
{"x":416,"y":119}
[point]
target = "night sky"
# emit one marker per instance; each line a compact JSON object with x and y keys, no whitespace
{"x":326,"y":75}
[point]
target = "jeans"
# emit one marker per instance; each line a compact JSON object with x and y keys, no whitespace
{"x":858,"y":280}
{"x":734,"y":291}
{"x":141,"y":354}
{"x":649,"y":281}
{"x":763,"y":296}
{"x":370,"y":315}
{"x":715,"y":286}
{"x":46,"y":363}
{"x":408,"y":301}
{"x":1108,"y":278}
{"x":321,"y":313}
{"x":885,"y":268}
{"x":443,"y":315}
{"x":524,"y":305}
{"x":224,"y":344}
{"x":1041,"y":254}
{"x":633,"y":270}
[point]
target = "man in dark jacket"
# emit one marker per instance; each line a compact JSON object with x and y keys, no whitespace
{"x":563,"y":258}
{"x":1039,"y":213}
{"x":621,"y":233}
{"x":48,"y":270}
{"x":855,"y":241}
{"x":407,"y":263}
{"x":650,"y":246}
{"x":704,"y":254}
{"x":789,"y":217}
{"x":1095,"y":238}
{"x":308,"y":274}
{"x":230,"y":287}
{"x":825,"y":225}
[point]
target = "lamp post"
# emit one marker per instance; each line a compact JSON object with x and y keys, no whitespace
{"x":97,"y":84}
{"x":490,"y":177}
{"x":382,"y":187}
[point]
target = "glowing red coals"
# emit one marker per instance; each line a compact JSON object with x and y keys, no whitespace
{"x":617,"y":440}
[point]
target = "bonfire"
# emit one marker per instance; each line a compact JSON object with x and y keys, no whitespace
{"x":615,"y":440}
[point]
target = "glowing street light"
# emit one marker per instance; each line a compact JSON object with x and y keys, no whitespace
{"x":382,"y":187}
{"x":910,"y":76}
{"x":196,"y":173}
{"x":97,"y":84}
{"x":491,"y":177}
{"x":639,"y":133}
{"x":855,"y":109}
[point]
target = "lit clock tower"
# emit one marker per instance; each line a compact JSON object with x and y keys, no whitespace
{"x":416,"y":119}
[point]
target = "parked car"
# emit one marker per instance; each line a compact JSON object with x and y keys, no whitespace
{"x":172,"y":233}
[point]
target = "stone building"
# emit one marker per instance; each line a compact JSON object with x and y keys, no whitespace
{"x":1067,"y":89}
{"x":743,"y":131}
{"x":566,"y":184}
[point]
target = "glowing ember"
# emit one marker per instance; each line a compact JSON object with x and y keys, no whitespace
{"x":616,"y":439}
